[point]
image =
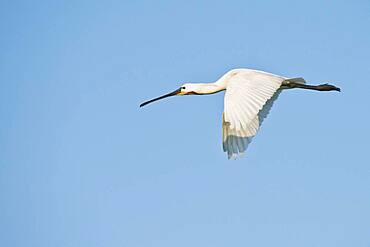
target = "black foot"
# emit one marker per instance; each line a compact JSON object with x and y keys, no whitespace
{"x":328,"y":87}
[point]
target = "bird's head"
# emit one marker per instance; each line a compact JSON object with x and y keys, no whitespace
{"x":185,"y":89}
{"x":189,"y":89}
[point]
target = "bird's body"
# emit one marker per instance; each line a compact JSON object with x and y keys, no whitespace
{"x":248,"y":99}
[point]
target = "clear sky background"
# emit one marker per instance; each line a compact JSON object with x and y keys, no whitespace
{"x":82,"y":165}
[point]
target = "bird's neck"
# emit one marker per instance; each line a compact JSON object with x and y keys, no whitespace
{"x":208,"y":88}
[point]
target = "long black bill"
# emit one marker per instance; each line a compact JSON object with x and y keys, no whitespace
{"x":177,"y":91}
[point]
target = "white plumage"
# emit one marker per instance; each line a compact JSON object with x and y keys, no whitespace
{"x":247,"y":92}
{"x":249,"y":97}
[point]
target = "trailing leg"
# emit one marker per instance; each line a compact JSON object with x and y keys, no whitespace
{"x":322,"y":87}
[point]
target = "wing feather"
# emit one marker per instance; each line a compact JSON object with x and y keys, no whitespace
{"x":248,"y":99}
{"x":247,"y":91}
{"x":244,"y":136}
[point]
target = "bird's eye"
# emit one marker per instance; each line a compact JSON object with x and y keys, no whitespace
{"x":182,"y":87}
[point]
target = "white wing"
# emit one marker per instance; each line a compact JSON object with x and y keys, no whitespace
{"x":247,"y":92}
{"x":236,"y":142}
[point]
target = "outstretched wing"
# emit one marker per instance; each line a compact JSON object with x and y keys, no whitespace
{"x":247,"y":91}
{"x":246,"y":104}
{"x":235,"y":142}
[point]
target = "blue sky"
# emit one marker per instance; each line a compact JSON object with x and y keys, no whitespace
{"x":82,"y":165}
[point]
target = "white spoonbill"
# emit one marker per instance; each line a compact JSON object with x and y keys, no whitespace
{"x":248,"y":99}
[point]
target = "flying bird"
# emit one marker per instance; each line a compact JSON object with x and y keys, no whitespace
{"x":248,"y":99}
